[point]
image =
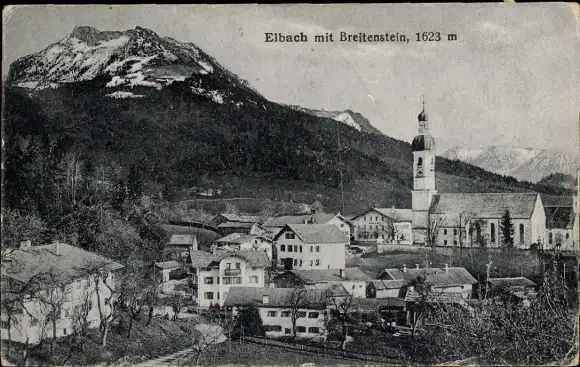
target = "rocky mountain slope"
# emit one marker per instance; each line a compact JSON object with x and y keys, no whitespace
{"x":134,"y":101}
{"x":525,"y":164}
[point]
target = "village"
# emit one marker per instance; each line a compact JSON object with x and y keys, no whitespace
{"x":302,"y":277}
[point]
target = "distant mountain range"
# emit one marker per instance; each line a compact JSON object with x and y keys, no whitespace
{"x":525,"y":164}
{"x":135,"y":101}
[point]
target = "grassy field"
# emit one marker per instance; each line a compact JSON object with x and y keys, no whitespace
{"x":503,"y":263}
{"x":249,"y":354}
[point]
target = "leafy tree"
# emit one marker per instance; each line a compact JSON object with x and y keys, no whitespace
{"x":248,"y":323}
{"x":507,"y":229}
{"x":134,"y":185}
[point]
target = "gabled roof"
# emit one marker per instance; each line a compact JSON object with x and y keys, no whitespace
{"x":559,"y":217}
{"x":172,"y":264}
{"x":183,"y":239}
{"x":277,"y":297}
{"x":435,"y":297}
{"x":204,"y":259}
{"x":397,"y":215}
{"x":68,"y":264}
{"x":486,"y":205}
{"x":236,"y":225}
{"x":241,"y":218}
{"x":316,"y":218}
{"x":438,"y":277}
{"x":237,"y":238}
{"x":511,"y":282}
{"x":315,"y":233}
{"x":388,"y":284}
{"x":331,"y":275}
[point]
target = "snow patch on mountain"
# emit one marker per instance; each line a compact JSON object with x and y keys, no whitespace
{"x":122,"y":94}
{"x":346,"y":118}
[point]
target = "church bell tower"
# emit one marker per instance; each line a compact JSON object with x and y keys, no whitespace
{"x":423,"y":146}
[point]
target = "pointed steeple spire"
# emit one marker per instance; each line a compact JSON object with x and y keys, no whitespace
{"x":423,"y":116}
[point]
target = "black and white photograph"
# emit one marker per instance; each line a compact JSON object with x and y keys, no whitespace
{"x":290,"y":185}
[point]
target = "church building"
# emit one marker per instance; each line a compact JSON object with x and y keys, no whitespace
{"x":467,"y":219}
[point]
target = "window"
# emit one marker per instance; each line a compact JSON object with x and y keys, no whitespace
{"x":550,"y":238}
{"x":341,"y":225}
{"x":522,"y":233}
{"x":295,"y":262}
{"x":311,"y":262}
{"x":64,"y":331}
{"x":208,"y":280}
{"x":218,"y":295}
{"x":567,"y":236}
{"x":295,"y":248}
{"x":313,"y":315}
{"x":285,"y":314}
{"x":420,"y":161}
{"x":218,"y":280}
{"x":300,"y":262}
{"x":282,"y":247}
{"x":208,"y":295}
{"x":311,"y":248}
{"x":300,"y":329}
{"x":317,"y":262}
{"x":289,"y":248}
{"x":274,"y":328}
{"x":254,"y":279}
{"x":301,"y":313}
{"x":313,"y":330}
{"x":271,"y":313}
{"x":492,"y":234}
{"x":455,"y":232}
{"x":287,"y":331}
{"x":454,"y":242}
{"x":228,"y":266}
{"x":4,"y":324}
{"x":317,"y":248}
{"x":300,"y":248}
{"x":227,"y":280}
{"x":445,"y":243}
{"x":290,"y":236}
{"x":238,"y":265}
{"x":445,"y":232}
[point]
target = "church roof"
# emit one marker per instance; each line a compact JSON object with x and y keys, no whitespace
{"x":486,"y":205}
{"x":423,"y":142}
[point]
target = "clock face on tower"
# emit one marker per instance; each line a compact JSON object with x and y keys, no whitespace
{"x":419,"y":172}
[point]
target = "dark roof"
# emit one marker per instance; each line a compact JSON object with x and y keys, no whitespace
{"x":236,"y":225}
{"x":69,"y":264}
{"x":435,"y":297}
{"x":437,"y":277}
{"x":241,"y":218}
{"x":388,"y":284}
{"x":423,"y":142}
{"x":316,"y":218}
{"x":559,"y":216}
{"x":277,"y":297}
{"x":172,"y":264}
{"x":204,"y":259}
{"x":486,"y":205}
{"x":377,"y":303}
{"x":511,"y":282}
{"x":331,"y":275}
{"x":315,"y":233}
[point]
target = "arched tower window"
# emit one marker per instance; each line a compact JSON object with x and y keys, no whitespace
{"x":420,"y":162}
{"x":432,"y":164}
{"x":492,"y":234}
{"x":521,"y":233}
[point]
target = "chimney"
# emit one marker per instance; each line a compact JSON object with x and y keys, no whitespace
{"x":446,"y":268}
{"x":404,"y":268}
{"x":56,"y":246}
{"x":342,"y":273}
{"x":265,"y":299}
{"x":25,"y":244}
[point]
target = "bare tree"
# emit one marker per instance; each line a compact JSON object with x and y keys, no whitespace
{"x":51,"y":299}
{"x":202,"y":337}
{"x":297,"y":301}
{"x":432,"y":226}
{"x":462,"y":220}
{"x":340,"y":304}
{"x":420,"y":305}
{"x":392,"y":232}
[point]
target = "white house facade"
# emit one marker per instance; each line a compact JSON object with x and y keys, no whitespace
{"x":384,"y":225}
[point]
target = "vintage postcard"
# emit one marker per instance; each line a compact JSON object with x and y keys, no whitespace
{"x":274,"y":185}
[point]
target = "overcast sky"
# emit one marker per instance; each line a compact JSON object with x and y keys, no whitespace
{"x":511,"y":78}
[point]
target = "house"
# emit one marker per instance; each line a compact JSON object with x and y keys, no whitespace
{"x":277,"y":305}
{"x":227,"y":228}
{"x":389,"y":225}
{"x":274,"y":225}
{"x":560,"y":227}
{"x":179,"y":247}
{"x":385,"y":288}
{"x":166,"y":271}
{"x":311,"y":246}
{"x":235,"y":218}
{"x":214,"y":274}
{"x":474,"y":219}
{"x":390,"y":309}
{"x":240,"y":241}
{"x":352,"y":279}
{"x":439,"y":280}
{"x":520,"y":288}
{"x":58,"y":279}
